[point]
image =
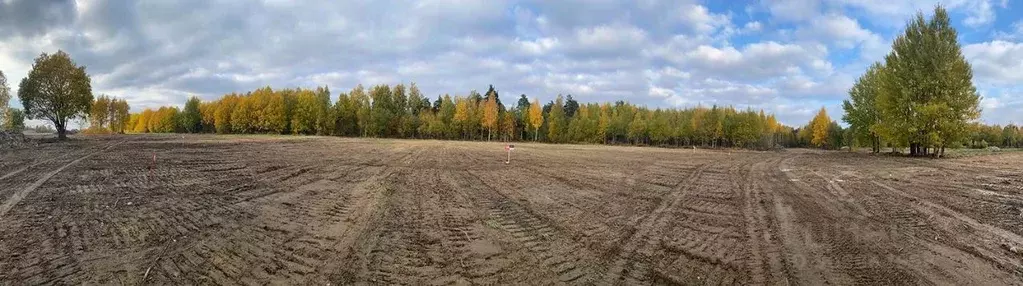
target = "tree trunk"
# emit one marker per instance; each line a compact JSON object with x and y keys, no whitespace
{"x":61,"y":131}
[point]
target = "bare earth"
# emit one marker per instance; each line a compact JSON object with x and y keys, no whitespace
{"x":307,"y":210}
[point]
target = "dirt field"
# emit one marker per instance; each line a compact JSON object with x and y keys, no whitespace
{"x":302,"y":210}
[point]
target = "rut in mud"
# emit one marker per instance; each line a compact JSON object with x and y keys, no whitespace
{"x":304,"y":210}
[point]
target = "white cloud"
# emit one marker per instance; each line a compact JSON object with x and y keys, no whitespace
{"x":609,"y":38}
{"x":651,"y":52}
{"x":751,"y":27}
{"x":978,"y":12}
{"x":756,"y":61}
{"x":996,"y":62}
{"x":981,"y":13}
{"x":700,"y":19}
{"x":1015,"y":32}
{"x":793,"y":10}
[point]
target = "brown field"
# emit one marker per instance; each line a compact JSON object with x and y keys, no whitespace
{"x":307,"y":210}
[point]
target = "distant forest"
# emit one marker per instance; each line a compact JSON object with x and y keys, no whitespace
{"x":403,"y":112}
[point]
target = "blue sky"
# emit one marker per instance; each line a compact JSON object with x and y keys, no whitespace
{"x":787,"y":57}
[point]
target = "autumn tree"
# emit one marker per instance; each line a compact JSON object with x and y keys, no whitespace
{"x":222,"y":115}
{"x":242,"y":115}
{"x":142,"y":124}
{"x":462,"y":115}
{"x":535,"y":118}
{"x":819,"y":128}
{"x":508,"y":125}
{"x":207,"y":111}
{"x":57,"y":90}
{"x":399,"y":112}
{"x":637,"y":131}
{"x":490,"y":115}
{"x":304,"y":115}
{"x":604,"y":122}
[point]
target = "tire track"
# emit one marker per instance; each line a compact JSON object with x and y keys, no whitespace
{"x":765,"y":263}
{"x":626,"y":261}
{"x":18,"y":196}
{"x":561,"y":255}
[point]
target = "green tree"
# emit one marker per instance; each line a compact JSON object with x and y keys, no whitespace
{"x":556,"y":121}
{"x":638,"y":127}
{"x":14,"y":120}
{"x":416,"y":104}
{"x":191,"y":117}
{"x":99,"y":112}
{"x":446,"y":116}
{"x":5,"y":97}
{"x":522,"y":116}
{"x":861,"y":108}
{"x":119,"y":115}
{"x":382,"y":112}
{"x":836,"y":136}
{"x":345,"y":112}
{"x":929,"y":99}
{"x":324,"y":118}
{"x":57,"y":90}
{"x":571,"y":107}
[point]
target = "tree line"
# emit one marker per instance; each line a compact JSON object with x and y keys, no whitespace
{"x":108,"y":115}
{"x":920,"y":97}
{"x":984,"y":136}
{"x":401,"y":111}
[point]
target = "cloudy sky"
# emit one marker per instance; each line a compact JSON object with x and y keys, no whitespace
{"x":788,"y":57}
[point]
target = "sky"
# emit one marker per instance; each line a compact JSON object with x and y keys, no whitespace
{"x":789,"y":57}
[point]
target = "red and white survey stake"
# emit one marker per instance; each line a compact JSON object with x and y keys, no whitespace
{"x":509,"y":148}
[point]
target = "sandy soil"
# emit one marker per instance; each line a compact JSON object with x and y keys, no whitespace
{"x":308,"y":210}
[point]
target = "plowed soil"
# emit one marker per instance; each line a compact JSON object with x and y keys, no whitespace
{"x":308,"y":210}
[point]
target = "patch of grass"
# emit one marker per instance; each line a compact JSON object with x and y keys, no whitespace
{"x":492,"y":224}
{"x":959,"y":153}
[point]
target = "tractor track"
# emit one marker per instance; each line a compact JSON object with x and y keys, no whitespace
{"x":268,"y":210}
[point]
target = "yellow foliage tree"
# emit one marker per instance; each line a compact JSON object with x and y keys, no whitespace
{"x":508,"y":125}
{"x":490,"y":115}
{"x":535,"y":117}
{"x":819,"y":127}
{"x":462,"y":112}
